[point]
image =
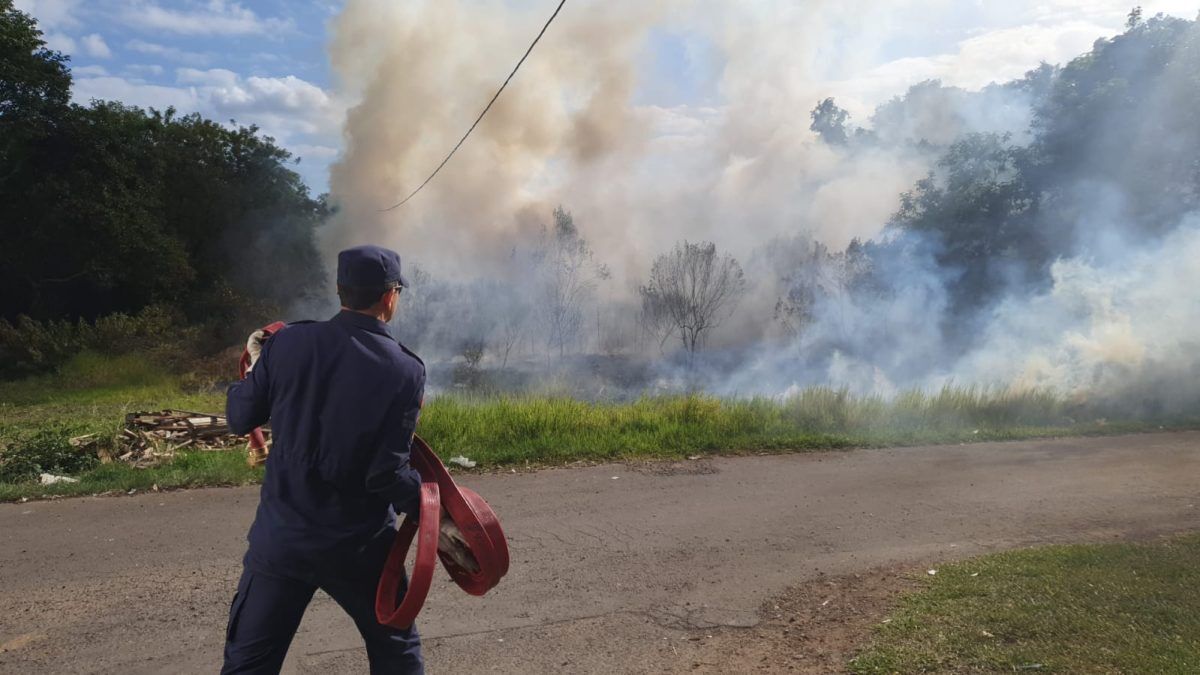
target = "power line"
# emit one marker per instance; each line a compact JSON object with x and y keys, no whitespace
{"x":486,"y":108}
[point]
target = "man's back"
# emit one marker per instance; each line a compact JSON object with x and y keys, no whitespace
{"x":342,"y":397}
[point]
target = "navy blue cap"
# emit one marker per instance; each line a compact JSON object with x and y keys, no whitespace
{"x":369,"y":267}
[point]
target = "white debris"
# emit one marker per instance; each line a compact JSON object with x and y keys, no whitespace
{"x":463,"y":462}
{"x":51,"y":479}
{"x":932,"y":572}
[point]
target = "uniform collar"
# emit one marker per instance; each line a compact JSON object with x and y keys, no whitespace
{"x":367,"y":323}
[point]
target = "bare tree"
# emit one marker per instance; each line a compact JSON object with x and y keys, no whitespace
{"x":807,"y":276}
{"x":815,"y":276}
{"x":568,"y":277}
{"x":690,"y":291}
{"x":418,"y":308}
{"x":514,"y":312}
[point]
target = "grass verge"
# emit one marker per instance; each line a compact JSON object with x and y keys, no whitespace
{"x":1111,"y":608}
{"x":92,"y":394}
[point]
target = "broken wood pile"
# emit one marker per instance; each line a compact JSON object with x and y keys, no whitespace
{"x":152,"y":437}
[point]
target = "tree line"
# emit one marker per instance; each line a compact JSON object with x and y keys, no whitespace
{"x":1110,"y":139}
{"x":107,"y":208}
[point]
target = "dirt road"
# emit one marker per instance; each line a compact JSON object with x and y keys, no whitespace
{"x":617,"y":568}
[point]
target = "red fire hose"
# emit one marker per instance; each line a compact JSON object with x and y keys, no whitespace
{"x":475,"y":519}
{"x":256,"y":451}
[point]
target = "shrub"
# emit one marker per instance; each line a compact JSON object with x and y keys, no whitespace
{"x":47,"y":451}
{"x":29,"y":347}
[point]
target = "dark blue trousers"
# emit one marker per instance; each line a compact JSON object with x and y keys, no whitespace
{"x":267,"y":609}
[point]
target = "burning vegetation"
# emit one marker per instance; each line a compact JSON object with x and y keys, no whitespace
{"x":1032,"y":234}
{"x":1037,"y":234}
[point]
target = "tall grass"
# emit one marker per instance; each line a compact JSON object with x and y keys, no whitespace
{"x":92,"y":394}
{"x":551,"y":429}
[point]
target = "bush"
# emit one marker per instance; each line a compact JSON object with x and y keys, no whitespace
{"x":47,"y":451}
{"x":29,"y":347}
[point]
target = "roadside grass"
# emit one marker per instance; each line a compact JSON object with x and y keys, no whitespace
{"x":188,"y":469}
{"x":539,"y":430}
{"x":1110,"y":608}
{"x":92,"y":394}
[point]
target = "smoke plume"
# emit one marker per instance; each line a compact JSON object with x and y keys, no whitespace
{"x":861,"y":273}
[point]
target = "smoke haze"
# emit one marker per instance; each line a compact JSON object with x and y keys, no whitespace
{"x":873,"y":256}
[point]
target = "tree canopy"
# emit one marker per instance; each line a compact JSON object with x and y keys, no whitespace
{"x":1114,"y":143}
{"x":111,"y":208}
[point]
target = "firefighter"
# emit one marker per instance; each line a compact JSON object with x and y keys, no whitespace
{"x":342,"y":397}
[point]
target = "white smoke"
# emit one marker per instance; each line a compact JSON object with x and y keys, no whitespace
{"x":1106,"y":324}
{"x":739,"y":167}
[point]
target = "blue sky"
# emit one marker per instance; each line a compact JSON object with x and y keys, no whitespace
{"x":264,"y":61}
{"x":258,"y":63}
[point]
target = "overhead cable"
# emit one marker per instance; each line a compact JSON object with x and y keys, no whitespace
{"x":486,"y":108}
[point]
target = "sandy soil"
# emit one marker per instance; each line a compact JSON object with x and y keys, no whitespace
{"x":772,"y":563}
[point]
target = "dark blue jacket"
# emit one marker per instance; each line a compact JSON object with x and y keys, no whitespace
{"x":343,"y":399}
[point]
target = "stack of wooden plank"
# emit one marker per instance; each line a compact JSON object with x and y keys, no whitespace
{"x":151,"y":437}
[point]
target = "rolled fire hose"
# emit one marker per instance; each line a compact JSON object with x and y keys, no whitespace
{"x":474,"y":518}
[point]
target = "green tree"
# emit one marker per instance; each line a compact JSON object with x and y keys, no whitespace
{"x":34,"y":80}
{"x":1123,"y":115}
{"x":829,"y":122}
{"x":981,"y":211}
{"x":111,"y":208}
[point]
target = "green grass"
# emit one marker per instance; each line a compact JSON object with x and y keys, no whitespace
{"x":92,"y":394}
{"x":1113,"y":608}
{"x":189,"y":469}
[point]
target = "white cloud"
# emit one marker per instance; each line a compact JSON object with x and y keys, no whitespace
{"x":214,"y":77}
{"x":95,"y":46}
{"x":994,"y":56}
{"x":169,"y":53}
{"x":1000,"y":43}
{"x":89,"y":71}
{"x":315,"y":152}
{"x":216,"y":17}
{"x":285,"y":105}
{"x":299,"y":115}
{"x":143,"y":69}
{"x":285,"y":94}
{"x":51,"y":13}
{"x":60,"y":42}
{"x":133,"y":93}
